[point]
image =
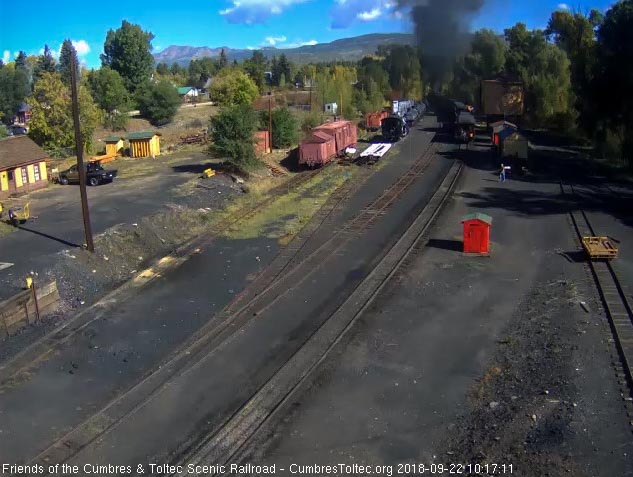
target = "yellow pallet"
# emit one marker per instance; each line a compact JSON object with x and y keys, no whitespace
{"x":599,"y":248}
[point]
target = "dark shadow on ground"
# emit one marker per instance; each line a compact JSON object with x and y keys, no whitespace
{"x":576,"y":256}
{"x":291,"y":161}
{"x":199,"y":168}
{"x":51,"y":237}
{"x":452,"y":245}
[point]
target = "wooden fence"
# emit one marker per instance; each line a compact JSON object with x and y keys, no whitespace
{"x":19,"y":310}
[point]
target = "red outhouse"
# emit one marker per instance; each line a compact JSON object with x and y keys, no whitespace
{"x":477,"y":233}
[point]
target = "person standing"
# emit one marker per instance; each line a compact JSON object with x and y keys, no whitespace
{"x":502,"y":174}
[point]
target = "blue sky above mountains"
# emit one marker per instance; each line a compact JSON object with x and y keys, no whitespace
{"x":239,"y":23}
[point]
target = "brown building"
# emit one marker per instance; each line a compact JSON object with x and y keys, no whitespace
{"x":22,"y":166}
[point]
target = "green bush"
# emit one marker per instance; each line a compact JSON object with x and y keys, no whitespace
{"x":232,"y":132}
{"x":4,"y":132}
{"x":116,"y":121}
{"x":285,"y":127}
{"x":312,"y":120}
{"x":158,"y":102}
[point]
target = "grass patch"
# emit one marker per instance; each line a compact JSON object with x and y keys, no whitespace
{"x":286,"y":216}
{"x":6,"y":229}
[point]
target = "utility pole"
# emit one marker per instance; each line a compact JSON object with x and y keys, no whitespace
{"x":341,"y":104}
{"x":270,"y":121}
{"x":80,"y":155}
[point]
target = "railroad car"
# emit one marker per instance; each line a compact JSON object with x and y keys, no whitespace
{"x":344,"y":132}
{"x":401,"y":106}
{"x":464,"y":128}
{"x":372,"y":120}
{"x":317,"y":149}
{"x":326,"y":142}
{"x":394,"y":128}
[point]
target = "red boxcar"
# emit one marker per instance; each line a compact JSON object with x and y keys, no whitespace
{"x":317,"y":149}
{"x":373,"y":120}
{"x":344,"y":133}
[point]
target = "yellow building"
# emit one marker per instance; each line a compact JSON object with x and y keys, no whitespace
{"x":144,"y":144}
{"x":114,"y":145}
{"x":22,"y":166}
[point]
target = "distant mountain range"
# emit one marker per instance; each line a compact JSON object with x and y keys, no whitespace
{"x":347,"y":49}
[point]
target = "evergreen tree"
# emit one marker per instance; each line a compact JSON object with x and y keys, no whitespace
{"x":255,"y":67}
{"x":20,"y":60}
{"x":45,"y":64}
{"x":128,"y":51}
{"x":274,"y":69}
{"x":232,"y":130}
{"x":223,"y":61}
{"x":162,"y":69}
{"x":284,"y":70}
{"x":66,"y":56}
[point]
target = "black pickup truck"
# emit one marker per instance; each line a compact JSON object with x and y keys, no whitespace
{"x":95,"y":174}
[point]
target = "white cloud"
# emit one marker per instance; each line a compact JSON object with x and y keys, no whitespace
{"x":345,"y":12}
{"x":562,"y":6}
{"x":81,"y":46}
{"x":15,"y":54}
{"x":298,"y":43}
{"x":273,"y":40}
{"x":255,"y":11}
{"x":6,"y":56}
{"x":370,"y":15}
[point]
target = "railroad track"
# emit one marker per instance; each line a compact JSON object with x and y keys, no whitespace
{"x":274,"y":286}
{"x":37,"y":353}
{"x":273,"y":398}
{"x":611,"y":291}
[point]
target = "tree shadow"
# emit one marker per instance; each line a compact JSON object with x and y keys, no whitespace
{"x":199,"y":168}
{"x":451,"y":245}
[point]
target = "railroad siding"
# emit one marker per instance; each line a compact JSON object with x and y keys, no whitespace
{"x":224,"y":380}
{"x":112,"y":354}
{"x":392,"y":390}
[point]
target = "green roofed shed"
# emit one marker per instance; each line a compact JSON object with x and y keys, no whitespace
{"x":477,"y":216}
{"x":144,"y":144}
{"x":114,"y":144}
{"x":140,"y":135}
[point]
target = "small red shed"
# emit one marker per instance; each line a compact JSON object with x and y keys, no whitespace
{"x":262,"y":142}
{"x":317,"y":149}
{"x":477,"y":233}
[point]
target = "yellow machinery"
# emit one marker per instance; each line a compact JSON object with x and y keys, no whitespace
{"x":208,"y":173}
{"x":599,"y":248}
{"x":19,"y":215}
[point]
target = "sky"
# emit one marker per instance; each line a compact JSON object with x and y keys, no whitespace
{"x":239,"y":23}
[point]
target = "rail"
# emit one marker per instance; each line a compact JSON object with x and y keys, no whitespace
{"x":273,"y":397}
{"x":614,"y":299}
{"x":284,"y":279}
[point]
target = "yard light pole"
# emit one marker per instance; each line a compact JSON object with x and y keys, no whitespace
{"x":80,"y":155}
{"x":270,"y":121}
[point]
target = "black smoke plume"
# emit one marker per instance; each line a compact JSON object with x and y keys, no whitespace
{"x":441,"y":28}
